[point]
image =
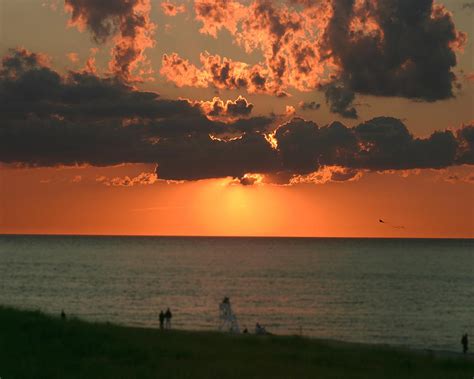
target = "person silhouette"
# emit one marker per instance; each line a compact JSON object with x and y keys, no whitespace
{"x":227,"y":318}
{"x":63,"y":315}
{"x":465,"y":343}
{"x":259,"y":329}
{"x":168,"y":316}
{"x":162,"y":319}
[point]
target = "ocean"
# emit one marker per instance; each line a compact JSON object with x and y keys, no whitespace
{"x":417,"y":293}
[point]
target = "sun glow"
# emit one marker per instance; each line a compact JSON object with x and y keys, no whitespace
{"x":237,"y":209}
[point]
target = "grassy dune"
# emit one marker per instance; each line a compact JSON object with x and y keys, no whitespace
{"x":34,"y":345}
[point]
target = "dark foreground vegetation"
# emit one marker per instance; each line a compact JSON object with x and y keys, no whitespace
{"x":35,"y":345}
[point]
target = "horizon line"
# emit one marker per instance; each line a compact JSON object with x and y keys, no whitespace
{"x":224,"y":236}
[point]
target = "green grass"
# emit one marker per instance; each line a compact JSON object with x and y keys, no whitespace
{"x":35,"y":345}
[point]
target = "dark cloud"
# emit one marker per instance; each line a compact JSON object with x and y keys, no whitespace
{"x":305,"y":106}
{"x":249,"y":180}
{"x":304,"y":147}
{"x":383,"y":143}
{"x":102,"y":18}
{"x":466,"y":144}
{"x":296,"y":144}
{"x":28,"y":88}
{"x":200,"y":157}
{"x":48,"y":119}
{"x":127,"y":22}
{"x":340,"y":100}
{"x":217,"y":107}
{"x":387,"y":144}
{"x":20,"y":60}
{"x":239,"y":107}
{"x":405,"y":48}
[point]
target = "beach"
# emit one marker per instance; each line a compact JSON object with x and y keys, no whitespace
{"x":36,"y":345}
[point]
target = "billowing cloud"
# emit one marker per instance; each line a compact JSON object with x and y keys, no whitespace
{"x":144,"y":178}
{"x":465,"y":137}
{"x":385,"y":143}
{"x":340,"y":100}
{"x":182,"y":72}
{"x":249,"y":179}
{"x":286,"y":37}
{"x":312,"y":105}
{"x":21,"y":60}
{"x":31,"y":89}
{"x":290,"y":110}
{"x":327,"y":174}
{"x":127,"y":23}
{"x":394,"y":47}
{"x":230,"y":109}
{"x":218,"y":14}
{"x":50,"y":119}
{"x":73,"y":57}
{"x":171,"y":9}
{"x":342,"y":47}
{"x":218,"y":72}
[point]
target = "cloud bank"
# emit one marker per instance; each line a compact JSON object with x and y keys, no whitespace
{"x":81,"y":118}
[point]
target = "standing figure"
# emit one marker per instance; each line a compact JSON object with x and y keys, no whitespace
{"x":63,"y":315}
{"x":260,"y":330}
{"x":162,"y":319}
{"x":228,"y":318}
{"x":465,"y":343}
{"x":168,"y":316}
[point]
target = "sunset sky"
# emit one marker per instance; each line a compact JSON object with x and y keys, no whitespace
{"x":256,"y":118}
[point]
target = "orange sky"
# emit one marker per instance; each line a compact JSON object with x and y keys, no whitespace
{"x":71,"y":201}
{"x":88,"y":200}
